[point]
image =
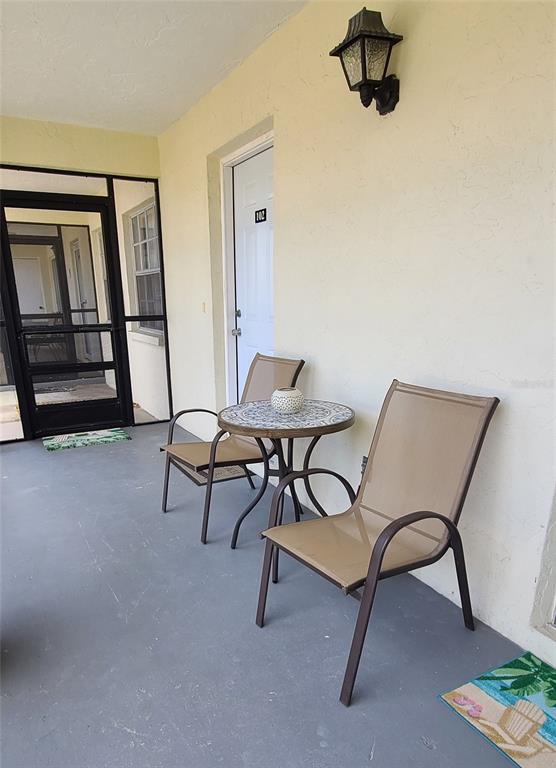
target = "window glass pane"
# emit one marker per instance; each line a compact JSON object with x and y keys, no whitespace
{"x":90,"y":347}
{"x":36,"y":181}
{"x":147,"y":363}
{"x":153,"y":260}
{"x":144,"y":256}
{"x":143,"y":226}
{"x":149,"y":294}
{"x":151,"y":325}
{"x":151,"y":227}
{"x":138,"y":240}
{"x":60,"y":266}
{"x":74,"y":387}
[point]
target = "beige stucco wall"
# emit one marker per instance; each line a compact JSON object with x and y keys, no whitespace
{"x":73,"y":147}
{"x":416,"y":246}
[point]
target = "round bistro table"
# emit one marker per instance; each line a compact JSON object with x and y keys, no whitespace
{"x":258,"y":419}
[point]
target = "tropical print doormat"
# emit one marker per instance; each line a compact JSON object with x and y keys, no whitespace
{"x":514,"y":707}
{"x":81,"y":439}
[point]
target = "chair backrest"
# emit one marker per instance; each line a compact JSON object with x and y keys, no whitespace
{"x":423,"y":454}
{"x":269,"y":373}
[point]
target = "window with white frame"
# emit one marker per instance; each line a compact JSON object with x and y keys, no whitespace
{"x":146,"y":263}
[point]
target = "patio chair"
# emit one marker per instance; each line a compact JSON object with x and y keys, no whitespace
{"x":405,"y":514}
{"x":264,"y":376}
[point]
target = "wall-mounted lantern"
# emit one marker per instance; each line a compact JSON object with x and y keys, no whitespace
{"x":365,"y":53}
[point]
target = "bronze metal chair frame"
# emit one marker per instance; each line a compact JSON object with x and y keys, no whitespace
{"x":374,"y":573}
{"x":209,"y":468}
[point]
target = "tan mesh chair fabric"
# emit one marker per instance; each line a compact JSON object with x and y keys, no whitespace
{"x":267,"y":374}
{"x":421,"y":458}
{"x":229,"y":451}
{"x":264,"y":376}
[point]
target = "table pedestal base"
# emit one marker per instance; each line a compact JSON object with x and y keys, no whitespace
{"x":285,"y":467}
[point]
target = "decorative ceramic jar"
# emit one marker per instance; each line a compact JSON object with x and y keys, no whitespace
{"x":287,"y":400}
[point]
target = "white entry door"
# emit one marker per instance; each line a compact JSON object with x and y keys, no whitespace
{"x":28,"y":279}
{"x":253,"y":246}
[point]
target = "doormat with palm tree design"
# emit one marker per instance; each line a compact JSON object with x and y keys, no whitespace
{"x":81,"y":439}
{"x":514,"y":707}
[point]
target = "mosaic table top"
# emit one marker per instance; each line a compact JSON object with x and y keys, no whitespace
{"x":259,"y":419}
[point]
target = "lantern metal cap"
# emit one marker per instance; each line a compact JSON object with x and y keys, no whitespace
{"x":366,"y":24}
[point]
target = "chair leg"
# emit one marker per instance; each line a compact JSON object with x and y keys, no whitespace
{"x":365,"y":608}
{"x":208,"y":494}
{"x":461,"y":571}
{"x":166,"y":481}
{"x":297,"y":508}
{"x":265,"y":576}
{"x":275,"y":566}
{"x":249,"y":478}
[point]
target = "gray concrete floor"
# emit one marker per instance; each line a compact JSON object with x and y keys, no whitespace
{"x":129,"y":644}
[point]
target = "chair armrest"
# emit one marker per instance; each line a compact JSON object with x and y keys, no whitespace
{"x":291,"y":478}
{"x":388,"y":533}
{"x":179,"y":414}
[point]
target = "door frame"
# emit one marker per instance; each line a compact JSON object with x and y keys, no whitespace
{"x":106,"y":206}
{"x":118,"y":411}
{"x":227,"y":163}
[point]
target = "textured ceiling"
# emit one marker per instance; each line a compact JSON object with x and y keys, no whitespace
{"x":133,"y":66}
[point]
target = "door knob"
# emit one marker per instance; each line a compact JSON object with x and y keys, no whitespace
{"x":236,"y":332}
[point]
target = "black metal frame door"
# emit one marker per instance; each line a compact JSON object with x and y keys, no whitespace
{"x":7,"y":328}
{"x":52,"y":418}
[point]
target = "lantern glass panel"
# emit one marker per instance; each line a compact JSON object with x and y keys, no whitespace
{"x":376,"y":54}
{"x":351,"y":58}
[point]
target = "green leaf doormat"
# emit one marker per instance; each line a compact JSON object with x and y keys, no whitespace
{"x":81,"y":439}
{"x":514,"y":707}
